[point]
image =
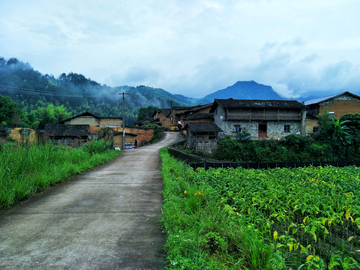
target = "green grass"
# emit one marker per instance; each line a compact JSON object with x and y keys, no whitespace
{"x":302,"y":218}
{"x":28,"y":169}
{"x":200,"y":232}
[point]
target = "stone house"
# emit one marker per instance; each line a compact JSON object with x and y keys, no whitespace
{"x":337,"y":105}
{"x":202,"y":137}
{"x":262,"y":118}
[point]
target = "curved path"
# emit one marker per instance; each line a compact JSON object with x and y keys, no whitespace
{"x":105,"y":218}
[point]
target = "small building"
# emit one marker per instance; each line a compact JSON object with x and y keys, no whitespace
{"x":262,"y":118}
{"x":202,"y":137}
{"x":71,"y":135}
{"x":337,"y":105}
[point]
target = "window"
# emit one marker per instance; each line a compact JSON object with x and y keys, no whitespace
{"x":316,"y":129}
{"x":286,"y":128}
{"x":332,"y":115}
{"x":237,"y":128}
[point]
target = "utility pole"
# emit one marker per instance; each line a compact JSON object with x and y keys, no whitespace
{"x":123,"y":114}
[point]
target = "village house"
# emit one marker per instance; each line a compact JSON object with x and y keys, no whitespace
{"x":202,"y":137}
{"x":337,"y":105}
{"x":162,"y":118}
{"x":262,"y":118}
{"x":87,"y":118}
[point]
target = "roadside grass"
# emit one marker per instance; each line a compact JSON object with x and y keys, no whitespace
{"x":200,"y":232}
{"x":28,"y":169}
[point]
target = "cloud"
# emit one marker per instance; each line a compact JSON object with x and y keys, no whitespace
{"x":192,"y":47}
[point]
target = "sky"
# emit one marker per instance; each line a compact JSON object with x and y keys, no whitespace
{"x":190,"y":47}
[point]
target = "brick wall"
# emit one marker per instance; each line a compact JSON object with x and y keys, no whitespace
{"x":106,"y":122}
{"x":83,"y":120}
{"x":141,"y":134}
{"x":341,"y":107}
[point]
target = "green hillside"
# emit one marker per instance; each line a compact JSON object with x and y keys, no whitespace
{"x":31,"y":90}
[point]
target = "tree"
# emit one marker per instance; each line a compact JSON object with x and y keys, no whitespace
{"x":352,"y":121}
{"x":146,"y":113}
{"x":8,"y":110}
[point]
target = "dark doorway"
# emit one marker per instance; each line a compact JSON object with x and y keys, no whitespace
{"x":262,"y":130}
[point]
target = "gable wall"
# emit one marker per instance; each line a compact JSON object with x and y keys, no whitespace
{"x":83,"y":120}
{"x":341,"y":107}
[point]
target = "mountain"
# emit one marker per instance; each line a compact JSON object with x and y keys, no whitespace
{"x":244,"y":90}
{"x":32,"y":90}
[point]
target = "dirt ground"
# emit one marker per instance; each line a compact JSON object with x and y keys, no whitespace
{"x":105,"y":218}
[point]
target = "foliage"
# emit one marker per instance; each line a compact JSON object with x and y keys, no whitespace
{"x":8,"y":109}
{"x":146,"y":113}
{"x":303,"y":218}
{"x":243,"y":136}
{"x":27,"y":169}
{"x":47,"y":115}
{"x":352,"y":121}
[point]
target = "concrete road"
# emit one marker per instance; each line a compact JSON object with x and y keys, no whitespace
{"x":106,"y":218}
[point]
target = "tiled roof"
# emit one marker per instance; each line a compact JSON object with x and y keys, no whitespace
{"x":202,"y":127}
{"x":200,"y":116}
{"x":89,"y":114}
{"x":166,"y":112}
{"x":254,"y":103}
{"x":321,"y":99}
{"x":196,"y":108}
{"x":56,"y":130}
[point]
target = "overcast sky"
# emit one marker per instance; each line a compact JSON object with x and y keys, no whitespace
{"x":190,"y":47}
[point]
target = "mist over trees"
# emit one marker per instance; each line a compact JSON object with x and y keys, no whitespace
{"x":74,"y":93}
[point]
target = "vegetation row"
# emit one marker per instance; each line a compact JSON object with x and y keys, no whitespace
{"x":28,"y":169}
{"x":302,"y":218}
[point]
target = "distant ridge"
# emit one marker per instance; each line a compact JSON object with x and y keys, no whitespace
{"x":244,"y":90}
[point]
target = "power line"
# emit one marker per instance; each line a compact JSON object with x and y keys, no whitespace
{"x":29,"y":91}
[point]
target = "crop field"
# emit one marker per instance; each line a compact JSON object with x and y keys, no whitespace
{"x":28,"y":169}
{"x":303,"y":218}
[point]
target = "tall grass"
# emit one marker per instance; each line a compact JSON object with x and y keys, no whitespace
{"x":200,"y":232}
{"x":27,"y":169}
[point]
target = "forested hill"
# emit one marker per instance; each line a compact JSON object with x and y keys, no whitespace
{"x":30,"y":90}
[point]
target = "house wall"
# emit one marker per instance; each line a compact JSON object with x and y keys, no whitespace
{"x":31,"y":137}
{"x":342,"y":106}
{"x":275,"y":129}
{"x":83,"y":120}
{"x":106,"y":122}
{"x":165,"y":121}
{"x":141,"y":134}
{"x":310,"y":124}
{"x":217,"y":119}
{"x":118,"y":140}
